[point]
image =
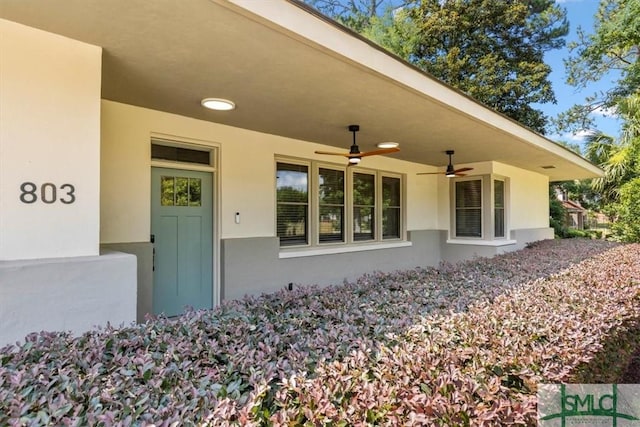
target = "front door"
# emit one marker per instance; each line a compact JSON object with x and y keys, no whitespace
{"x":181,"y":223}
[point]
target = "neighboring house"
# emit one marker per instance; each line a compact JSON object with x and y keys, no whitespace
{"x":104,"y":143}
{"x":576,"y":216}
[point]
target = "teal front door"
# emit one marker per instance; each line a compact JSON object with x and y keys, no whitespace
{"x":181,"y":225}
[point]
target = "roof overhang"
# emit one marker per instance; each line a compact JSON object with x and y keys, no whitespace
{"x":290,"y":72}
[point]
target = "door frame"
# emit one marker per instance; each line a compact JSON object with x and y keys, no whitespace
{"x":214,"y":149}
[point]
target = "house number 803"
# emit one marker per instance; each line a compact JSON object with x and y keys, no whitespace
{"x":48,"y":193}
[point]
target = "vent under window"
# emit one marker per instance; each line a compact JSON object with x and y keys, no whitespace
{"x":178,"y":154}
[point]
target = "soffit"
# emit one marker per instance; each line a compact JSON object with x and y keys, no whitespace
{"x":168,"y":55}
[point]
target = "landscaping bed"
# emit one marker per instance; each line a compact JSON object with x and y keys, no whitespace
{"x":460,"y":344}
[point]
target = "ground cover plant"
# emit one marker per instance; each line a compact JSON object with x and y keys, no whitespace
{"x":461,"y":344}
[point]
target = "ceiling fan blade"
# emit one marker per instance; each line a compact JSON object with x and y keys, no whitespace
{"x":430,"y":173}
{"x":461,"y":174}
{"x":330,"y":153}
{"x":378,"y":152}
{"x":462,"y":170}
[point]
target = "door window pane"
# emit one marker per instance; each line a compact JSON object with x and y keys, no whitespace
{"x":364,"y":196}
{"x":469,"y":208}
{"x":331,"y":205}
{"x":195,"y":192}
{"x":292,"y":193}
{"x":391,"y":208}
{"x":180,"y":191}
{"x":167,"y":191}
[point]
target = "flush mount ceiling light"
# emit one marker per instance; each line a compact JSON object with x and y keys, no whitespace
{"x":387,"y":144}
{"x":218,"y":104}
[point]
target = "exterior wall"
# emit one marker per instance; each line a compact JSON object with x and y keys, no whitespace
{"x":144,"y":256}
{"x":246,"y":184}
{"x":247,"y":171}
{"x":266,"y":272}
{"x":529,"y":197}
{"x":66,"y":294}
{"x":49,"y":137}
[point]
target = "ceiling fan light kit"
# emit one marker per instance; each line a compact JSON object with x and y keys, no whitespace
{"x":355,"y":155}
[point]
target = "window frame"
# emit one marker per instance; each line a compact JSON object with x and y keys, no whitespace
{"x":295,"y":162}
{"x":487,"y":210}
{"x":313,"y":213}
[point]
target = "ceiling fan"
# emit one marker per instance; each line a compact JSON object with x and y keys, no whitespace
{"x":355,"y":155}
{"x":450,"y":172}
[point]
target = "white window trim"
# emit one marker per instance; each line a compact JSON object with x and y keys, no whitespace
{"x":314,"y":247}
{"x":487,"y":213}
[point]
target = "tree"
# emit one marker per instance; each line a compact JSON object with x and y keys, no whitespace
{"x":490,"y":49}
{"x":613,"y":48}
{"x":356,"y":14}
{"x":627,"y":224}
{"x":620,"y":159}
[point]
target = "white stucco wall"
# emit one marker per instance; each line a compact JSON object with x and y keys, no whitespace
{"x":529,"y":197}
{"x":49,"y":133}
{"x":246,"y":173}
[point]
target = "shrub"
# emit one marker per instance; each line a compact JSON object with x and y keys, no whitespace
{"x":626,"y":227}
{"x":458,"y":345}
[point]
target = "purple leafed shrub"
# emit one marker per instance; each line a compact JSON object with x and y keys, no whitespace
{"x":457,"y":345}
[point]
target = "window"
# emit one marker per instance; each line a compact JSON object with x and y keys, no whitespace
{"x":364,"y":206}
{"x":331,"y":205}
{"x":178,"y":154}
{"x":320,"y":204}
{"x":480,"y":207}
{"x":292,"y":189}
{"x":391,"y":207}
{"x":498,"y":208}
{"x":180,"y":191}
{"x":469,"y":208}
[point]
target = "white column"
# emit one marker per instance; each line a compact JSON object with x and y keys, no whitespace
{"x":49,"y":144}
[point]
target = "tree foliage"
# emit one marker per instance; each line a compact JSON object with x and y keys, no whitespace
{"x":613,"y":48}
{"x":493,"y":50}
{"x":627,"y":224}
{"x":490,"y":49}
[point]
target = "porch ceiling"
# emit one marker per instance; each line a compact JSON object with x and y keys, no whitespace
{"x":167,"y":55}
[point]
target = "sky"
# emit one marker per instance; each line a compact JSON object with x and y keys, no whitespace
{"x":579,"y":13}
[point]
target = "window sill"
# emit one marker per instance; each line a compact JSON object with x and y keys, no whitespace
{"x":305,"y":252}
{"x":481,"y":242}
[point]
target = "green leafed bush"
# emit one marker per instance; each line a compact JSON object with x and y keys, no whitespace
{"x":460,"y":344}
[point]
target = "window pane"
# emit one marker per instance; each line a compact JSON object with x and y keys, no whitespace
{"x":331,"y":190}
{"x":363,"y":223}
{"x":498,"y":220}
{"x":498,"y":191}
{"x":195,"y":192}
{"x":469,"y":194}
{"x":176,"y":154}
{"x":468,"y":223}
{"x":391,"y":223}
{"x":167,"y":191}
{"x":182,"y":191}
{"x":331,"y":221}
{"x":292,"y":183}
{"x":292,"y":189}
{"x":364,"y":193}
{"x":292,"y":224}
{"x":391,"y":207}
{"x":390,"y":191}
